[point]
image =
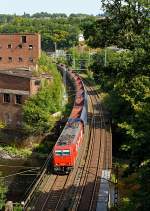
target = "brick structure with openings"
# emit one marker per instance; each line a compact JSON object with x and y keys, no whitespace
{"x":19,"y":50}
{"x":16,"y":85}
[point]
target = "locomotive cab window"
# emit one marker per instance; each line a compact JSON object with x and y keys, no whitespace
{"x":66,"y":152}
{"x":58,"y":152}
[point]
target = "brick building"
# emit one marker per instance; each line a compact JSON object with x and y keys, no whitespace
{"x":19,"y":50}
{"x":16,"y":85}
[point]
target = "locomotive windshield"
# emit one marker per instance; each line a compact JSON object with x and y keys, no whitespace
{"x":66,"y":152}
{"x":58,"y":152}
{"x":62,"y":152}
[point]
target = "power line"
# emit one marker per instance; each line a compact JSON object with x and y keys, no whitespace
{"x":17,"y":173}
{"x":19,"y":166}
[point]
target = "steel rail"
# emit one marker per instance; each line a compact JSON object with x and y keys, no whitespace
{"x":77,"y":192}
{"x":75,"y":185}
{"x":76,"y":198}
{"x":100,"y":157}
{"x":38,"y":182}
{"x":90,"y":158}
{"x":76,"y":175}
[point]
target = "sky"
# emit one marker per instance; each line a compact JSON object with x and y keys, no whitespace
{"x":18,"y":7}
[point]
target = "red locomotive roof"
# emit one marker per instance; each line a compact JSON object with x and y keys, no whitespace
{"x":69,"y":134}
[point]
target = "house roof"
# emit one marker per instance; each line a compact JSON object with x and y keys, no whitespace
{"x":24,"y":33}
{"x":25,"y":73}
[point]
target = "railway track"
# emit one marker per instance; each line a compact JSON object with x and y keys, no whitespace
{"x":86,"y":196}
{"x":79,"y":190}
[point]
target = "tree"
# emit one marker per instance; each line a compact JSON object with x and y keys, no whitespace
{"x":52,"y":27}
{"x":39,"y":109}
{"x":125,"y":77}
{"x":130,"y":20}
{"x":127,"y":25}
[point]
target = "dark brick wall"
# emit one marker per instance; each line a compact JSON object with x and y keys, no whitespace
{"x":17,"y":51}
{"x":14,"y":83}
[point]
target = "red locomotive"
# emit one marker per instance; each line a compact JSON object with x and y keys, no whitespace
{"x":67,"y":147}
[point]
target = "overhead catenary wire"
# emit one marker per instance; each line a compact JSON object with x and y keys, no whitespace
{"x":28,"y":167}
{"x":19,"y":173}
{"x":37,"y":180}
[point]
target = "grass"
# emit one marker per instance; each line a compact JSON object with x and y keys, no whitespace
{"x":16,"y":152}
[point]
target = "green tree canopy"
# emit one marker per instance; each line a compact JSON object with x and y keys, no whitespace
{"x":126,"y":25}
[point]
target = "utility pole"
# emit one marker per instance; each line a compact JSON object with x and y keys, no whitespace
{"x":55,"y":44}
{"x":74,"y":60}
{"x":64,"y":76}
{"x":89,"y":58}
{"x":105,"y":57}
{"x":116,"y":187}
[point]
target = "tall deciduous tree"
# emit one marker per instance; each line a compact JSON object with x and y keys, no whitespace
{"x":126,"y":78}
{"x":126,"y":25}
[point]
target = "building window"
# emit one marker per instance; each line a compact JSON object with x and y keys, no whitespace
{"x":0,"y":58}
{"x":18,"y":99}
{"x":30,"y":47}
{"x":10,"y":59}
{"x":8,"y":119}
{"x":9,"y":45}
{"x":37,"y":82}
{"x":6,"y":98}
{"x":23,"y":39}
{"x":20,"y":46}
{"x":31,"y":59}
{"x":20,"y":59}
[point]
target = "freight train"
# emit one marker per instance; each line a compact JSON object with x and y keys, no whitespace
{"x":66,"y":149}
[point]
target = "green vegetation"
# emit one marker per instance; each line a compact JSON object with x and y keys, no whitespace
{"x":54,"y":28}
{"x":126,"y":25}
{"x":79,"y":59}
{"x":2,"y":125}
{"x":3,"y":191}
{"x":39,"y":109}
{"x":12,"y":150}
{"x":124,"y":74}
{"x":17,"y":207}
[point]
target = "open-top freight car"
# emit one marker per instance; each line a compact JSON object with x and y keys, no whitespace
{"x":67,"y":147}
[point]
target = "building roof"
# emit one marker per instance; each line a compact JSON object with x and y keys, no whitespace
{"x":23,"y":33}
{"x":24,"y":73}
